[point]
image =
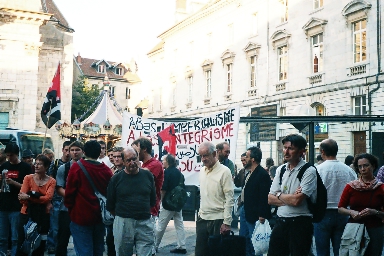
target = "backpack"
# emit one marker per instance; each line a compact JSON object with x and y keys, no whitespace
{"x":53,"y":173}
{"x":32,"y":238}
{"x":320,"y":206}
{"x":176,"y":198}
{"x":67,"y":166}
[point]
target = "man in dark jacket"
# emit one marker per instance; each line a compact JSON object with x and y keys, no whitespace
{"x":256,"y":190}
{"x":86,"y":226}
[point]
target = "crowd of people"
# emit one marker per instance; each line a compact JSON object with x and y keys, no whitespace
{"x":59,"y":197}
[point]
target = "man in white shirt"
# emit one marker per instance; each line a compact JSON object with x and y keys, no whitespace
{"x":216,"y":191}
{"x":335,"y":176}
{"x":103,"y":158}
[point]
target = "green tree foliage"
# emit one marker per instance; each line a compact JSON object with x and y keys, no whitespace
{"x":83,"y":98}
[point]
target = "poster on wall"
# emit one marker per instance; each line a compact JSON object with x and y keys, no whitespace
{"x":183,"y":138}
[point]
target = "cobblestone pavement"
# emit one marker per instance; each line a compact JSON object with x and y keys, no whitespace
{"x":168,"y":242}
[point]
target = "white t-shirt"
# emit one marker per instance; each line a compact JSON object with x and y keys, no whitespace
{"x":335,"y":176}
{"x":106,"y":161}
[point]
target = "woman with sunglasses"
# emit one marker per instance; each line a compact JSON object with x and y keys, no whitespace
{"x":35,"y":195}
{"x":365,"y":199}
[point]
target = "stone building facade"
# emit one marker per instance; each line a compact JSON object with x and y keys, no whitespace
{"x":34,"y":38}
{"x":273,"y":57}
{"x":124,"y":81}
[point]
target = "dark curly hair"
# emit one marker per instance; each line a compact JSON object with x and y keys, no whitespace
{"x":373,"y":160}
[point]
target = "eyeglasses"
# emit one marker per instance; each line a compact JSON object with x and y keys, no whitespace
{"x":131,"y":159}
{"x":38,"y":164}
{"x":363,"y":166}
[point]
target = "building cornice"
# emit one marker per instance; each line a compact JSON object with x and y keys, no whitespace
{"x":206,"y":11}
{"x":10,"y":15}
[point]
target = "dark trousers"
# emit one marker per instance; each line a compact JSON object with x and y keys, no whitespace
{"x":110,"y":241}
{"x":63,"y":234}
{"x":291,"y":236}
{"x":204,"y":229}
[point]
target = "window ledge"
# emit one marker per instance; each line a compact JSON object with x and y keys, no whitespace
{"x":358,"y":69}
{"x":282,"y":24}
{"x":281,"y":86}
{"x":253,"y":36}
{"x":316,"y":78}
{"x":316,"y":10}
{"x":207,"y":101}
{"x":252,"y":92}
{"x":227,"y":96}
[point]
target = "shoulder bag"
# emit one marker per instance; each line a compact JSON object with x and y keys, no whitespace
{"x":106,"y":216}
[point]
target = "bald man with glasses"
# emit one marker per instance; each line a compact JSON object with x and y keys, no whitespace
{"x":131,"y":194}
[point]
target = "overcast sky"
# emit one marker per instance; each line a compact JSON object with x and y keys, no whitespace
{"x":117,"y":30}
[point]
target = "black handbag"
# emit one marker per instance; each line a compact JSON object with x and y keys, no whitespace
{"x":226,"y":245}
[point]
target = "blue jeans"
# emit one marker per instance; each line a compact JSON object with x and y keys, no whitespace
{"x":8,"y":221}
{"x":88,"y":240}
{"x":331,"y":228}
{"x":243,"y":223}
{"x":248,"y":243}
{"x":54,"y":225}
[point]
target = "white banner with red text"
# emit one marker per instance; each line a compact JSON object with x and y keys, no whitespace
{"x":182,"y":139}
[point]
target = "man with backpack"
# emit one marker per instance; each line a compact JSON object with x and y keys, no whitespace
{"x":76,"y":153}
{"x":172,"y":179}
{"x":293,"y":231}
{"x":335,"y":176}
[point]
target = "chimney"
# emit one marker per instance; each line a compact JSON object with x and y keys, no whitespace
{"x":78,"y":59}
{"x":181,"y":10}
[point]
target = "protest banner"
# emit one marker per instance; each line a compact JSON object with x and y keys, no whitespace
{"x":183,"y":138}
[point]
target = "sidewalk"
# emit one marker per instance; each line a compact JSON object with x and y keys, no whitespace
{"x":168,"y":242}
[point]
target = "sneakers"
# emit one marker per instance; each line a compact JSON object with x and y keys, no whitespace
{"x":179,"y":251}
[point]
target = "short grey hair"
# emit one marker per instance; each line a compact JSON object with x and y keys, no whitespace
{"x":211,"y":147}
{"x":128,"y":149}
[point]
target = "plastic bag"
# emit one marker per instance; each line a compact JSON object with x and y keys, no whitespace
{"x":260,"y":237}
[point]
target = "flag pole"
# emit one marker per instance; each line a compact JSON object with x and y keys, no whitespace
{"x":46,"y":127}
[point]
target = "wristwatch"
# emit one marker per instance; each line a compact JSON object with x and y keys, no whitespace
{"x":278,"y":195}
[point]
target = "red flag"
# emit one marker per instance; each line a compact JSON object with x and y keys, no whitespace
{"x":167,"y":139}
{"x":50,"y":112}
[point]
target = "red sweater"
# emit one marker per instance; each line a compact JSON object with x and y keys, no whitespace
{"x":83,"y":206}
{"x":156,"y":168}
{"x":359,"y":200}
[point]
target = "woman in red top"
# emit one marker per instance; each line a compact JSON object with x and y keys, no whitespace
{"x":36,"y":194}
{"x":365,"y":198}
